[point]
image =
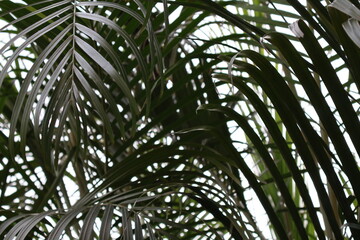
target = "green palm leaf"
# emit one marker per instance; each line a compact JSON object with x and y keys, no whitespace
{"x":173,"y":119}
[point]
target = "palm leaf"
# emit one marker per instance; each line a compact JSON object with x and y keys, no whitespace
{"x":121,"y":120}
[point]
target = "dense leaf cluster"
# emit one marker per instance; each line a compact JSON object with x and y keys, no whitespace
{"x":179,"y":119}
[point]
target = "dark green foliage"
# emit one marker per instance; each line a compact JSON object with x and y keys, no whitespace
{"x":186,"y":119}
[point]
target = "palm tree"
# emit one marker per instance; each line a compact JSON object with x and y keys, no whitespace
{"x":179,"y":119}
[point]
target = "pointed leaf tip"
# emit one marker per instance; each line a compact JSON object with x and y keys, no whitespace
{"x":352,"y":28}
{"x":346,"y":7}
{"x":294,"y":27}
